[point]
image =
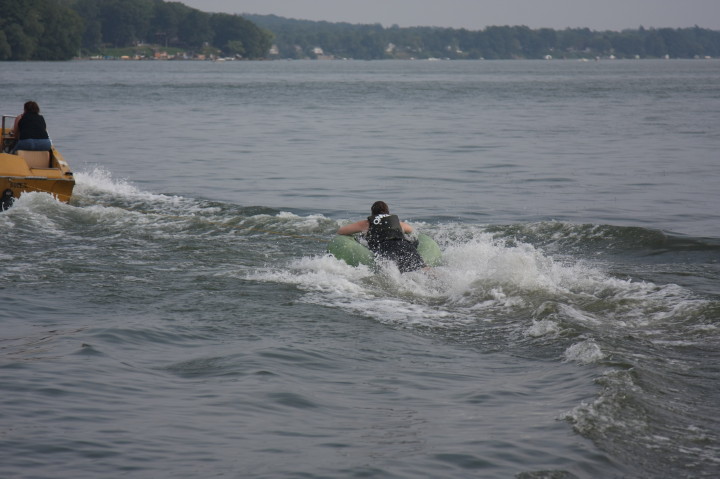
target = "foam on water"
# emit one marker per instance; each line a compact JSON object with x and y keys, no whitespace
{"x":485,"y":279}
{"x":584,"y":352}
{"x":488,"y":275}
{"x":98,"y":187}
{"x":101,"y":180}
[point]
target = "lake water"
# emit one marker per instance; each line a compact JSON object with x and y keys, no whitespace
{"x":180,"y":317}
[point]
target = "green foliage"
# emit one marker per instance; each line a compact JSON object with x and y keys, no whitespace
{"x":237,"y":36}
{"x":5,"y":48}
{"x":38,"y":30}
{"x":297,"y":38}
{"x":59,"y":29}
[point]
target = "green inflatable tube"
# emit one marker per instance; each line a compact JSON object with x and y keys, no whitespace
{"x":348,"y":249}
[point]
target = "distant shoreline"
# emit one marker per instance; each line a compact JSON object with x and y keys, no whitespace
{"x":221,"y":60}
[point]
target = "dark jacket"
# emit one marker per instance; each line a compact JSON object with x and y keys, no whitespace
{"x":32,"y":126}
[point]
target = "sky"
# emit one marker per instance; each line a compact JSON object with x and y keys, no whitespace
{"x":478,"y":14}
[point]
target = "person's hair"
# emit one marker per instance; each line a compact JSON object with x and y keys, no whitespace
{"x":31,"y":107}
{"x":380,"y":208}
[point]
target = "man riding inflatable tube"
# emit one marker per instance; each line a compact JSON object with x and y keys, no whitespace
{"x":385,"y":235}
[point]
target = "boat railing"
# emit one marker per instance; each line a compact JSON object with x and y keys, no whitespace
{"x":8,"y":136}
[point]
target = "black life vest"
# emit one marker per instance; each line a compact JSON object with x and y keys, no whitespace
{"x":383,"y":228}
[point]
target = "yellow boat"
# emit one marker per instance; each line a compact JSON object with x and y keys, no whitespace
{"x":43,"y":171}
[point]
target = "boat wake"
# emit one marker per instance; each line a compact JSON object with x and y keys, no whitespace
{"x":496,"y":291}
{"x":487,"y":281}
{"x":553,"y":284}
{"x":618,"y":301}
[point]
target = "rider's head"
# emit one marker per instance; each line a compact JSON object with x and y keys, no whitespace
{"x":380,"y":208}
{"x":31,"y":107}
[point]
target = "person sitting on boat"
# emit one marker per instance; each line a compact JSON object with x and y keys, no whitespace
{"x":385,"y":235}
{"x":30,"y":130}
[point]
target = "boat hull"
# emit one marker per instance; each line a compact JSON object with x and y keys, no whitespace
{"x":22,"y":173}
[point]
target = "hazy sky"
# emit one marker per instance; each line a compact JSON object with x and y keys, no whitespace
{"x":478,"y":14}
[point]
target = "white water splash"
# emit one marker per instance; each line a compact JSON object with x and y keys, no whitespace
{"x":100,"y":181}
{"x":585,"y":352}
{"x":481,"y":280}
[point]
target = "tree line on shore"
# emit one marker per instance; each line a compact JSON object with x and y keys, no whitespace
{"x":63,"y":29}
{"x":301,"y":38}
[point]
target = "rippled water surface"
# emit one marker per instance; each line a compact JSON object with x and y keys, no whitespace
{"x":180,"y":317}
